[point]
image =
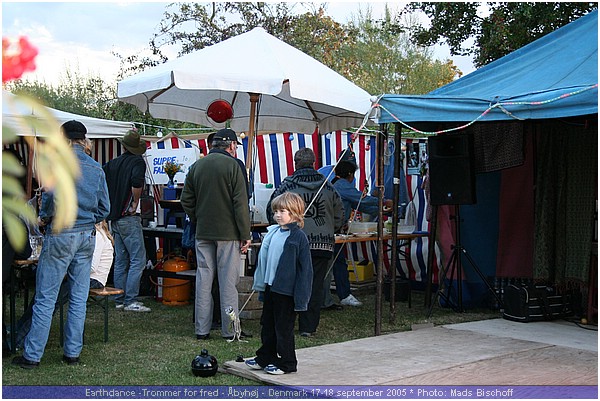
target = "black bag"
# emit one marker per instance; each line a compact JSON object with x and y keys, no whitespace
{"x":534,"y":304}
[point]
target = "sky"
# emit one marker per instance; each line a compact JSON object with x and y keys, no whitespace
{"x":80,"y":36}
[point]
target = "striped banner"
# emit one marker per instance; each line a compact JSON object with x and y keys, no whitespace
{"x":273,"y":157}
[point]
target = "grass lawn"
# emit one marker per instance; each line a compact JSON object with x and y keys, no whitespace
{"x":157,"y":348}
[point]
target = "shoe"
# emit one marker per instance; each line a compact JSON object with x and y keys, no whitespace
{"x":136,"y":307}
{"x":351,"y":301}
{"x":24,"y":362}
{"x":71,"y":360}
{"x":119,"y":306}
{"x":305,"y":334}
{"x":334,"y":307}
{"x":252,"y":364}
{"x":202,"y":336}
{"x":274,"y":370}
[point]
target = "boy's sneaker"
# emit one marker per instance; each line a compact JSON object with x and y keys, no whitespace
{"x":274,"y":370}
{"x":136,"y":307}
{"x":350,"y":301}
{"x":252,"y":364}
{"x":119,"y":306}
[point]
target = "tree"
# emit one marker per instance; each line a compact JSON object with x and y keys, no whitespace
{"x":194,"y":26}
{"x":383,"y":59}
{"x":507,"y":27}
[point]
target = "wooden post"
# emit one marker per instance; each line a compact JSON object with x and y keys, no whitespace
{"x":380,"y":186}
{"x":254,"y":97}
{"x":396,"y":197}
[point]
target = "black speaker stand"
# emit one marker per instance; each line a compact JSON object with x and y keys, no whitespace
{"x":454,"y":264}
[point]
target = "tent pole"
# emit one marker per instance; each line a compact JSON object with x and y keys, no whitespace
{"x":251,"y":130}
{"x":380,"y":188}
{"x":394,"y":217}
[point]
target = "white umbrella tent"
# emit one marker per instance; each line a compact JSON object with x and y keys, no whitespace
{"x":271,"y":86}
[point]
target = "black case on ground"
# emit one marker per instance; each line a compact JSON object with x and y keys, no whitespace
{"x":534,"y":304}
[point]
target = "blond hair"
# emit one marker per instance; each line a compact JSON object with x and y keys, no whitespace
{"x":89,"y":146}
{"x":293,"y":203}
{"x":103,"y":226}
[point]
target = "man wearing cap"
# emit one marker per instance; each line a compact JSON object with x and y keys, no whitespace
{"x":324,"y":216}
{"x":125,"y":176}
{"x":67,"y":253}
{"x":215,"y":197}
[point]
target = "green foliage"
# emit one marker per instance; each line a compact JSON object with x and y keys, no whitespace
{"x":508,"y":26}
{"x":383,"y":59}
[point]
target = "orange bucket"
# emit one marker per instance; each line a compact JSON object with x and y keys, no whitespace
{"x":176,"y":292}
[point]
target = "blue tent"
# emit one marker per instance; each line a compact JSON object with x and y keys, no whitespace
{"x":554,"y":76}
{"x":520,"y":226}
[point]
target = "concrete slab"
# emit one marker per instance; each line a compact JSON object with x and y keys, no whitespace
{"x":558,"y":332}
{"x":469,"y":354}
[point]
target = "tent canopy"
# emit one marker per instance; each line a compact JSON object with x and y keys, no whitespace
{"x":552,"y":77}
{"x":297,"y":93}
{"x":13,"y":110}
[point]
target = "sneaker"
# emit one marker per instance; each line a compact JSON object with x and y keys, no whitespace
{"x":350,"y":301}
{"x":202,"y":336}
{"x":305,"y":334}
{"x":119,"y":306}
{"x":136,"y":307}
{"x":274,"y":370}
{"x":252,"y":364}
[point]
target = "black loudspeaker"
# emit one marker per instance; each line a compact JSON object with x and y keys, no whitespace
{"x":451,"y":173}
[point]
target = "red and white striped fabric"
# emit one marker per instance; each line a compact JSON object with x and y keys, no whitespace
{"x":273,"y":157}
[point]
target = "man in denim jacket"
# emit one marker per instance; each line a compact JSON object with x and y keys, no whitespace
{"x":67,"y":253}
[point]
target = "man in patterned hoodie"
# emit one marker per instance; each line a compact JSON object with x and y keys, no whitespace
{"x":324,"y":216}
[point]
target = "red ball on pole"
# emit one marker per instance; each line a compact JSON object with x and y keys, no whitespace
{"x":219,"y":111}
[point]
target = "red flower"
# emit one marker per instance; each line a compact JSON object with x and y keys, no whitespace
{"x":17,"y":58}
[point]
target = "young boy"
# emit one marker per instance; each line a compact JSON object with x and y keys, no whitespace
{"x":284,"y":276}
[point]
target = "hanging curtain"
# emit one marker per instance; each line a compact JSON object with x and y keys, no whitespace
{"x":565,"y":197}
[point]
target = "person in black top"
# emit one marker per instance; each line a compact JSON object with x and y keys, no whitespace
{"x":125,"y":177}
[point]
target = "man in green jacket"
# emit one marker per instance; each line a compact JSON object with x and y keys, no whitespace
{"x":215,"y":198}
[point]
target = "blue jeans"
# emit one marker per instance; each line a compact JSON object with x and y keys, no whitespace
{"x":67,"y":253}
{"x":340,"y":272}
{"x":130,"y":257}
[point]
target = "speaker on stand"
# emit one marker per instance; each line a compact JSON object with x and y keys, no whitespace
{"x":451,"y":170}
{"x":452,"y":182}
